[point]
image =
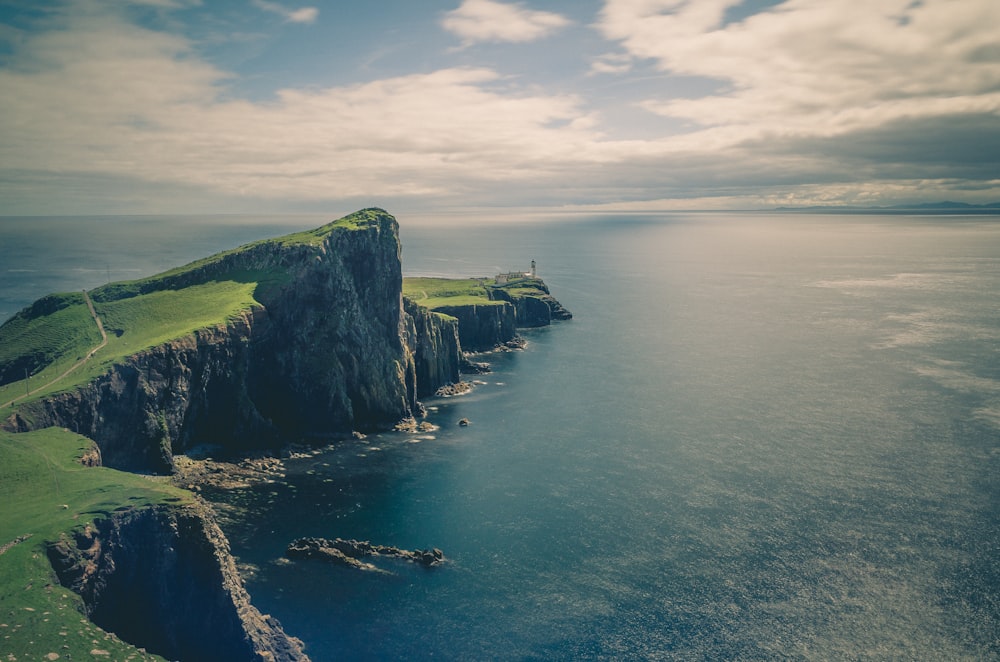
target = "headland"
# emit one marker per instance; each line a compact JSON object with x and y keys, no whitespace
{"x":302,"y":339}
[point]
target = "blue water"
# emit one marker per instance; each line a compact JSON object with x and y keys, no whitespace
{"x":760,"y":437}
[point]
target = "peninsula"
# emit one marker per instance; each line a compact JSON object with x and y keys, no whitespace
{"x":308,"y":338}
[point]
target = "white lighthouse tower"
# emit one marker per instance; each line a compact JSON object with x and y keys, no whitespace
{"x":532,"y":268}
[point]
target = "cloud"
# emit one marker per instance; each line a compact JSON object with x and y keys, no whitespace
{"x":303,"y":15}
{"x":611,"y":63}
{"x":815,"y":67}
{"x":487,"y":20}
{"x":113,"y":99}
{"x":103,"y":105}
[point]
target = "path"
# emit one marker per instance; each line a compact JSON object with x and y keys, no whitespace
{"x":104,"y":341}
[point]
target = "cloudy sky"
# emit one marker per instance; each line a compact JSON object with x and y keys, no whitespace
{"x":176,"y":106}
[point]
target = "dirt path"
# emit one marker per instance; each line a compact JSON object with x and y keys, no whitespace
{"x":104,"y":341}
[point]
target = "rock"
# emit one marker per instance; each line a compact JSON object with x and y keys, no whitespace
{"x":475,"y":367}
{"x":349,"y":552}
{"x":449,"y":390}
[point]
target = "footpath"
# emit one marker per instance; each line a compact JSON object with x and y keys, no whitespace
{"x":90,"y":354}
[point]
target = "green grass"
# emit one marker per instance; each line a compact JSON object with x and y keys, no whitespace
{"x":132,"y":324}
{"x":432,"y":293}
{"x":45,"y":492}
{"x":55,"y":332}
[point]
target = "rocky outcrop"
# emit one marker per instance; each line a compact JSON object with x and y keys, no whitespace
{"x":162,"y":578}
{"x":496,"y":310}
{"x":332,"y":348}
{"x":334,"y":359}
{"x":350,"y":552}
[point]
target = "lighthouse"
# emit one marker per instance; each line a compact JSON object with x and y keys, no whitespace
{"x":532,"y":268}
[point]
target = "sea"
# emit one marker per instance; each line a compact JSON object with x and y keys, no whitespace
{"x":765,"y":435}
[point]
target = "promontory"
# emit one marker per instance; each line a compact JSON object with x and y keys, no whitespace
{"x":308,"y":338}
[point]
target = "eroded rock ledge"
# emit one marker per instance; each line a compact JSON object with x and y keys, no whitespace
{"x":350,"y":552}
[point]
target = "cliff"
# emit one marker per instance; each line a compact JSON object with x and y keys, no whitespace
{"x":534,"y":305}
{"x":142,"y":558}
{"x":162,"y":578}
{"x":488,"y":311}
{"x":319,"y":351}
{"x":433,"y":341}
{"x":482,"y":326}
{"x":303,"y":336}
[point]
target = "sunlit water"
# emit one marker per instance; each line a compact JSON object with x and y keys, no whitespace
{"x":760,"y":437}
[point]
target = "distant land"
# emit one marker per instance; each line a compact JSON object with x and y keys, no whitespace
{"x":944,"y":207}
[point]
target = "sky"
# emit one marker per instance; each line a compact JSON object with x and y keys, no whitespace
{"x":239,"y":106}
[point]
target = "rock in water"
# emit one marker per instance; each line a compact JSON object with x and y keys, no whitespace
{"x":349,"y":552}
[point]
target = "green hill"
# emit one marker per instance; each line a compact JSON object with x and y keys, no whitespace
{"x":57,"y":331}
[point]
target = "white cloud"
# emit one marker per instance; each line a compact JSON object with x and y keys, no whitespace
{"x":303,"y":15}
{"x":611,"y":63}
{"x":101,"y":99}
{"x":110,"y":98}
{"x":487,"y":20}
{"x":816,"y":67}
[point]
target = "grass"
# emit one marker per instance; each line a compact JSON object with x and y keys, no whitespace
{"x":132,"y":324}
{"x":55,"y":332}
{"x":46,"y":492}
{"x":58,"y":330}
{"x":432,"y":293}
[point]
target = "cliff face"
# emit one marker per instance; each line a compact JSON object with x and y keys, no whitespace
{"x":433,"y":341}
{"x":333,"y":358}
{"x":533,"y":304}
{"x":324,"y":355}
{"x":165,"y":399}
{"x":162,"y":578}
{"x":483,"y":327}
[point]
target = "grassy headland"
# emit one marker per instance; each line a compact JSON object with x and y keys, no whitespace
{"x":57,"y":331}
{"x":432,"y":293}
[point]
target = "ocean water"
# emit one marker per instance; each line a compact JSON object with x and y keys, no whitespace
{"x":763,"y":436}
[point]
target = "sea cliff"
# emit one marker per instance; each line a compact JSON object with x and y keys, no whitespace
{"x":163,"y":578}
{"x":302,"y":337}
{"x":324,"y":351}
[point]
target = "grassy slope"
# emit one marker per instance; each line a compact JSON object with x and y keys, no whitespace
{"x":432,"y":293}
{"x":39,"y":475}
{"x":140,"y":314}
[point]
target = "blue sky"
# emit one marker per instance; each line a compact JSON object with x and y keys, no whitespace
{"x":188,"y":106}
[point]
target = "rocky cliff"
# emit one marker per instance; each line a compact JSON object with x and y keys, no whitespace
{"x":534,"y":305}
{"x":482,"y":327}
{"x":329,"y":348}
{"x":433,"y":341}
{"x":165,"y":399}
{"x":162,"y":578}
{"x":325,"y":353}
{"x":488,"y":311}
